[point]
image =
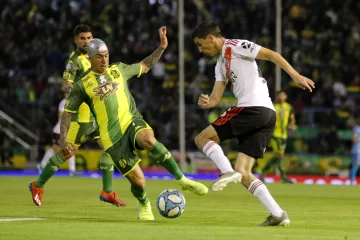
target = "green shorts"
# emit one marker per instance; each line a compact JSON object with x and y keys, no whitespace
{"x":79,"y":132}
{"x":123,"y":151}
{"x":278,"y":144}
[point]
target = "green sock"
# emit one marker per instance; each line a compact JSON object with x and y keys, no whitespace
{"x":163,"y":157}
{"x":269,"y":164}
{"x":53,"y":165}
{"x":107,"y":170}
{"x":140,"y":194}
{"x":281,"y":169}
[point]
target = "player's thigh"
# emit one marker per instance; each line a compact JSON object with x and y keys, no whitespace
{"x":79,"y":132}
{"x":141,"y":135}
{"x":123,"y":156}
{"x":212,"y":132}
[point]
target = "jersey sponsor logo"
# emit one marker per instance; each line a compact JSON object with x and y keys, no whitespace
{"x":245,"y":45}
{"x":229,"y":73}
{"x":105,"y":90}
{"x":252,"y":47}
{"x":85,"y":79}
{"x":115,"y":73}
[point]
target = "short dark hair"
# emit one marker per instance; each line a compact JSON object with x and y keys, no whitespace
{"x":206,"y":28}
{"x":80,"y":29}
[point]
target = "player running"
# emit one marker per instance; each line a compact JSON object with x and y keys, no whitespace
{"x":252,"y":121}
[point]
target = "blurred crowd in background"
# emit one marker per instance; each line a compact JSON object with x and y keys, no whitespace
{"x":321,"y":39}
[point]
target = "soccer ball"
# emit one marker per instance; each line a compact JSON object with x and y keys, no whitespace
{"x":170,"y":203}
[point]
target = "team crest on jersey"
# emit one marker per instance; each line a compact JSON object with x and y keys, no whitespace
{"x":105,"y":90}
{"x":122,"y":163}
{"x":115,"y":73}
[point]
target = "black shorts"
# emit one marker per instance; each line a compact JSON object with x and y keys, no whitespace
{"x":252,"y":126}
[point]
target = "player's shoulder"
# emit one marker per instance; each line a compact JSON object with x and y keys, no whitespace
{"x":74,"y":55}
{"x":84,"y":77}
{"x":243,"y":43}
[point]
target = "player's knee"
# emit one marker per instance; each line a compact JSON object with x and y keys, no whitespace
{"x":146,"y":140}
{"x":198,"y":140}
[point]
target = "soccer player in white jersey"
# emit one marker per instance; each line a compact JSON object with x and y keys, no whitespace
{"x":252,"y":121}
{"x":55,"y":147}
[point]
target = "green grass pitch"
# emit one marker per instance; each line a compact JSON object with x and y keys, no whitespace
{"x":72,"y":210}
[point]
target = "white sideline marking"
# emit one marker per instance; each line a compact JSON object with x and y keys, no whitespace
{"x":20,"y":219}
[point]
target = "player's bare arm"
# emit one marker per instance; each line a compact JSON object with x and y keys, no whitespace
{"x":64,"y":127}
{"x":150,"y":61}
{"x":301,"y":81}
{"x":205,"y":101}
{"x":66,"y":86}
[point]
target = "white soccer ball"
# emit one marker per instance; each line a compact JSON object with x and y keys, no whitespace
{"x":170,"y":203}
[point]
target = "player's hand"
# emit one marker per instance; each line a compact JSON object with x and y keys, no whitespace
{"x":163,"y":38}
{"x":304,"y":82}
{"x":67,"y":149}
{"x":203,"y":101}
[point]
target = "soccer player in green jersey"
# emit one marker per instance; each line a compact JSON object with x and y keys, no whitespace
{"x":122,"y":128}
{"x":82,"y":127}
{"x":285,"y":118}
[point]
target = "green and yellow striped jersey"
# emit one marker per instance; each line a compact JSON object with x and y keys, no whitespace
{"x":283,"y":113}
{"x":109,"y":99}
{"x":76,"y":66}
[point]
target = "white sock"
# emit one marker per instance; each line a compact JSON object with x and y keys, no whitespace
{"x":213,"y":151}
{"x":72,"y":163}
{"x":259,"y":190}
{"x":48,"y":154}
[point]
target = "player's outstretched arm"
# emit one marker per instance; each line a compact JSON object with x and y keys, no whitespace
{"x":150,"y":61}
{"x":301,"y":81}
{"x":205,"y":101}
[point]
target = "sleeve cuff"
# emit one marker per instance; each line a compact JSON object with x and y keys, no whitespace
{"x":70,"y":111}
{"x":140,"y":71}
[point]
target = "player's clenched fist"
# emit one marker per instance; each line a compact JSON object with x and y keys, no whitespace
{"x":203,"y":101}
{"x":163,"y":38}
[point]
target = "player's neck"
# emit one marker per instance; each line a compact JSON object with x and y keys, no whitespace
{"x":219,"y":43}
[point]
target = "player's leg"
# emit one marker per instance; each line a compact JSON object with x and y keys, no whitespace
{"x":208,"y":141}
{"x":106,"y":166}
{"x":277,"y":216}
{"x":354,"y":168}
{"x":125,"y":160}
{"x":44,"y":161}
{"x":36,"y":188}
{"x":138,"y":189}
{"x":144,"y":138}
{"x":249,"y":150}
{"x":272,"y":161}
{"x":73,"y":137}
